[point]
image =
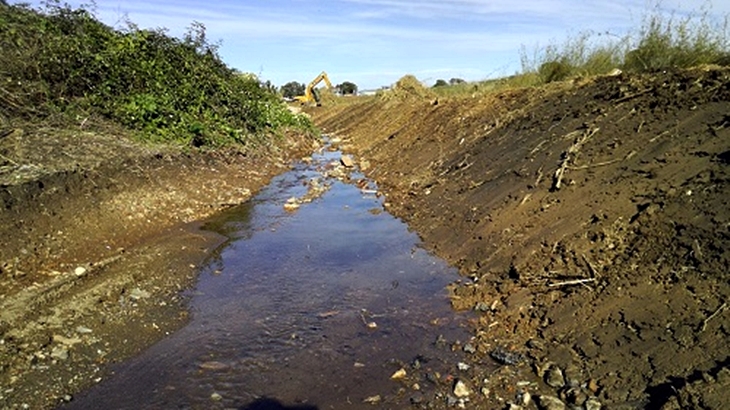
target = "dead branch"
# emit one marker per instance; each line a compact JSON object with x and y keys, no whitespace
{"x":634,"y":95}
{"x":569,"y":155}
{"x":591,"y":269}
{"x":539,"y":177}
{"x":598,"y":164}
{"x":572,"y":282}
{"x":712,"y":316}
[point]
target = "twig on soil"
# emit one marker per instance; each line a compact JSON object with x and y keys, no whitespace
{"x":634,"y":95}
{"x":659,"y":136}
{"x":8,"y":159}
{"x":591,"y":269}
{"x":598,"y":164}
{"x":526,"y":198}
{"x":568,"y":156}
{"x":539,"y":177}
{"x":641,"y":124}
{"x":712,"y":316}
{"x":572,"y":282}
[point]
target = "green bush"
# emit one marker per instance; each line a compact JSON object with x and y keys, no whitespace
{"x":60,"y":60}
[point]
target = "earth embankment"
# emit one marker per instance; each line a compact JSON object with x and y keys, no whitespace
{"x":591,"y":221}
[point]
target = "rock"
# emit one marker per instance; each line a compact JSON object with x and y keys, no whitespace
{"x":593,"y":386}
{"x":526,"y":398}
{"x":554,"y":377}
{"x":68,"y":341}
{"x":469,"y":348}
{"x":83,"y":330}
{"x":417,"y":398}
{"x":347,"y":161}
{"x":575,"y":396}
{"x":550,"y":403}
{"x":461,"y":389}
{"x":80,"y":271}
{"x":372,"y":399}
{"x":216,"y":397}
{"x":504,"y":356}
{"x":462,"y":366}
{"x":573,"y":375}
{"x":138,"y":294}
{"x":59,"y":353}
{"x":399,"y":374}
{"x":482,"y":307}
{"x":593,"y":404}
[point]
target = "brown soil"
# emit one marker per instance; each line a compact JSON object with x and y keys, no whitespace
{"x":98,"y":236}
{"x":607,"y":284}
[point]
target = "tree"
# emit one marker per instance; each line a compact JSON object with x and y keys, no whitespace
{"x":347,"y":88}
{"x":440,"y":83}
{"x":292,"y":89}
{"x":455,"y":81}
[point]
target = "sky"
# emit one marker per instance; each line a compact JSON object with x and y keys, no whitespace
{"x":373,"y":43}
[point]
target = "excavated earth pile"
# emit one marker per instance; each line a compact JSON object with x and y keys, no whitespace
{"x":591,"y":223}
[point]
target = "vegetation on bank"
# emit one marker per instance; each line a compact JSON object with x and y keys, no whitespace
{"x":662,"y":42}
{"x":63,"y":63}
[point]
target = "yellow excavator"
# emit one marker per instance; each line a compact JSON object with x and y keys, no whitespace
{"x":311,"y":94}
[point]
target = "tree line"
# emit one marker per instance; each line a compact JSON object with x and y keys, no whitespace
{"x":294,"y":88}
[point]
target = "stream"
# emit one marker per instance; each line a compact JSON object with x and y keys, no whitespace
{"x":316,"y":301}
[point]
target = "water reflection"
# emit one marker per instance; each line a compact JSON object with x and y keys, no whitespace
{"x":304,"y":310}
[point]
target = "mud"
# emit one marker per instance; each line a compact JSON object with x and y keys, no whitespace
{"x":590,"y":221}
{"x":98,"y":237}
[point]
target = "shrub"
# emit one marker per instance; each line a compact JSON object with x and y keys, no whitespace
{"x":63,"y":61}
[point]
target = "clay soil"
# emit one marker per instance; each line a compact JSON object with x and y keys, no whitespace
{"x":591,"y":223}
{"x":99,"y":237}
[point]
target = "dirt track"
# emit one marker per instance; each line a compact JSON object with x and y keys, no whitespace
{"x":591,"y":222}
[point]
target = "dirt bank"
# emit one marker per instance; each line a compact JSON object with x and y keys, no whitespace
{"x":97,"y":239}
{"x":591,"y":222}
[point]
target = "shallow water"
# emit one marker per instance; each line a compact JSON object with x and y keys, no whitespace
{"x":315,"y":309}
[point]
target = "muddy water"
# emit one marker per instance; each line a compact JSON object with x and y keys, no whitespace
{"x":314,"y":309}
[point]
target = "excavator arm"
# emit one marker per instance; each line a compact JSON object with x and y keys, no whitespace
{"x":310,"y":94}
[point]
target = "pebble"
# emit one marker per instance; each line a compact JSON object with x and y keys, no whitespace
{"x":138,"y":294}
{"x":506,"y":357}
{"x":60,"y":353}
{"x":216,"y":397}
{"x":550,"y":403}
{"x":469,"y":348}
{"x":399,"y":374}
{"x":83,"y":330}
{"x":461,"y":390}
{"x":372,"y":399}
{"x":80,"y":271}
{"x":593,"y":404}
{"x":463,"y":366}
{"x":554,"y":377}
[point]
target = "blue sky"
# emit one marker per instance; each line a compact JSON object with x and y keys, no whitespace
{"x":374,"y":42}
